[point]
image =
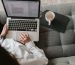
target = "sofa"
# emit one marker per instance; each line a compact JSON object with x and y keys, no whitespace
{"x":2,"y":16}
{"x":58,"y":46}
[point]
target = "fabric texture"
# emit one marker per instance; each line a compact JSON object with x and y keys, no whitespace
{"x":63,"y":61}
{"x":28,"y":54}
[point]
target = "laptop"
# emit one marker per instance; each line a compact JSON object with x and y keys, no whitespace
{"x":22,"y":17}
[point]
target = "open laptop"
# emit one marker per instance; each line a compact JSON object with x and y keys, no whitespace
{"x":22,"y":17}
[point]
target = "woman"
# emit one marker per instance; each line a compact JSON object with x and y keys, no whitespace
{"x":25,"y":51}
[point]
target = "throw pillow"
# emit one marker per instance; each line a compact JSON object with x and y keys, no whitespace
{"x":59,"y":23}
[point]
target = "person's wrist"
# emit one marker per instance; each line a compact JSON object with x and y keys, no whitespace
{"x":1,"y":36}
{"x":30,"y":44}
{"x":26,"y":42}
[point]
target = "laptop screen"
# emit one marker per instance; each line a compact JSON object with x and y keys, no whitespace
{"x":22,"y":8}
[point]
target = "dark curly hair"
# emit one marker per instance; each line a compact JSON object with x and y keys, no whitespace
{"x":6,"y":58}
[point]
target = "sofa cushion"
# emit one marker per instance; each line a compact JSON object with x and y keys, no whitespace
{"x":73,"y":9}
{"x":68,"y":37}
{"x":73,"y":17}
{"x":62,"y":61}
{"x":64,"y":8}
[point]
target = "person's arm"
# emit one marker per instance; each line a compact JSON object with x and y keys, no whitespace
{"x":38,"y":53}
{"x":35,"y":56}
{"x":6,"y":43}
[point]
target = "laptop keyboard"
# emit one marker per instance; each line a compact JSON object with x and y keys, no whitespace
{"x":23,"y":25}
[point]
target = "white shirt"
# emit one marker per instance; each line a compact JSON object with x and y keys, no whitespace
{"x":27,"y":54}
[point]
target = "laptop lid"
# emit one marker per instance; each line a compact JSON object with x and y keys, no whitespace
{"x":22,"y":8}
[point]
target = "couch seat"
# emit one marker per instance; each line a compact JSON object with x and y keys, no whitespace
{"x":63,"y":61}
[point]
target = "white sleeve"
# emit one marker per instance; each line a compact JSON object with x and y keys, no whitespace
{"x":36,"y":57}
{"x":8,"y":45}
{"x":1,"y":40}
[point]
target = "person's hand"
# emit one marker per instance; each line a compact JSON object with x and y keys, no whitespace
{"x":4,"y":31}
{"x":24,"y":38}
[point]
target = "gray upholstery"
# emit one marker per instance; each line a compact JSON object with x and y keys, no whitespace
{"x":60,"y":8}
{"x":73,"y":9}
{"x":59,"y":47}
{"x":63,"y":61}
{"x":2,"y":14}
{"x":58,"y":44}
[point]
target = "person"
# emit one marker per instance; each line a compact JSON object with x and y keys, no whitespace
{"x":25,"y":51}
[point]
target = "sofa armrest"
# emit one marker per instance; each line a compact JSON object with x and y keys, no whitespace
{"x":73,"y":9}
